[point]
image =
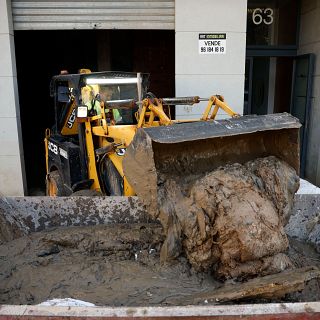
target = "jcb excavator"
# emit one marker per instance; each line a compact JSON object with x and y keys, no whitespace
{"x":112,"y":137}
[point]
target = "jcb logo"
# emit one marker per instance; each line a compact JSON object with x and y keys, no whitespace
{"x":53,"y":147}
{"x":71,"y":119}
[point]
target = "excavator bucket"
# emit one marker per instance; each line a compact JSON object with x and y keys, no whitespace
{"x":192,"y":149}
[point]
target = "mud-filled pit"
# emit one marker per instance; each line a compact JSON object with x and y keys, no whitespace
{"x":115,"y":265}
{"x":222,"y":229}
{"x":105,"y":265}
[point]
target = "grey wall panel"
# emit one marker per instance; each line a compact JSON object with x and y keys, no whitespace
{"x":309,"y":42}
{"x":12,"y":175}
{"x":213,"y":15}
{"x":205,"y":85}
{"x":59,"y":15}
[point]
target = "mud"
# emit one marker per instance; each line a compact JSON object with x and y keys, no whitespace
{"x":228,"y":223}
{"x":275,"y":286}
{"x":231,"y":220}
{"x":106,"y":265}
{"x":119,"y":265}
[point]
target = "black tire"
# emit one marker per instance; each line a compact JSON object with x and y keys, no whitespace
{"x":54,"y":185}
{"x":86,"y":193}
{"x":113,"y":180}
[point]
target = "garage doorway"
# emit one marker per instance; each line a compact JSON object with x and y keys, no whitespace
{"x":43,"y":54}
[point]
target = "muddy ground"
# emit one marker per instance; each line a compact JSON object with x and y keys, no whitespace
{"x":223,"y":226}
{"x":106,"y":265}
{"x":115,"y":265}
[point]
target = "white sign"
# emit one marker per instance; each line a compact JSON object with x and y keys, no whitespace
{"x":212,"y":43}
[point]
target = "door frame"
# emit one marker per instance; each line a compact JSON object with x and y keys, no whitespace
{"x":304,"y":146}
{"x":248,"y":109}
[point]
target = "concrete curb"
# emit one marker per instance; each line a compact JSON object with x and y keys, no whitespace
{"x":253,"y":311}
{"x":23,"y":215}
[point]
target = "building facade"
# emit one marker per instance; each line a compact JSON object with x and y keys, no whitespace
{"x":261,"y":55}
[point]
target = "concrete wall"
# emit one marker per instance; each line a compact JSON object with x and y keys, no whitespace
{"x":11,"y":151}
{"x":310,"y":43}
{"x":204,"y":75}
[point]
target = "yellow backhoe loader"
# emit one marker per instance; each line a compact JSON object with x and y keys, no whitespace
{"x":112,"y":137}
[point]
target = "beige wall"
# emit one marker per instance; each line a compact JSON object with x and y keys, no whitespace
{"x":310,"y":43}
{"x":12,"y":177}
{"x":205,"y":75}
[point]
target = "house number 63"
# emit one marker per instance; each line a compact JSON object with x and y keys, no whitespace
{"x":266,"y":18}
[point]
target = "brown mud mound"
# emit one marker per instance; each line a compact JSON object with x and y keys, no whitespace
{"x":230,"y":220}
{"x":106,"y":265}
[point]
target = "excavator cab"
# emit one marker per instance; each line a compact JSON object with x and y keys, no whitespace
{"x":66,"y":142}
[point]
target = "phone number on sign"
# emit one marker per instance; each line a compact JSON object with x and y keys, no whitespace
{"x":212,"y":49}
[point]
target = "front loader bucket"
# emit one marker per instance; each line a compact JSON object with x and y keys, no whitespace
{"x":190,"y":150}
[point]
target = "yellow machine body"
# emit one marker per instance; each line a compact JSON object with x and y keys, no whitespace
{"x":124,"y":134}
{"x":155,"y":145}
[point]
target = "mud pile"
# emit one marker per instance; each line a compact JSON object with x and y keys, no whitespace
{"x":231,"y":220}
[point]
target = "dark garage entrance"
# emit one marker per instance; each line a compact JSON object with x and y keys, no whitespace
{"x":42,"y":54}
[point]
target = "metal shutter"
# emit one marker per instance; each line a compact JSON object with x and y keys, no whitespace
{"x":58,"y":15}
